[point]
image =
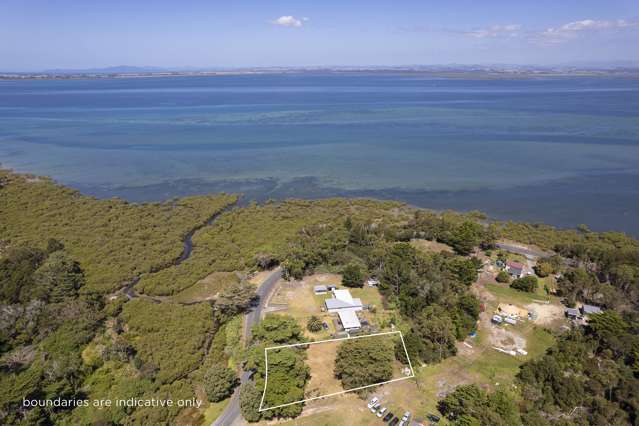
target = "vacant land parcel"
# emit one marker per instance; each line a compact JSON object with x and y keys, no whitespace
{"x":338,"y":366}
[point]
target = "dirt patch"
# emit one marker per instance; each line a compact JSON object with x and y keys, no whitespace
{"x":547,"y":314}
{"x":503,"y":338}
{"x":317,"y":279}
{"x":512,"y":311}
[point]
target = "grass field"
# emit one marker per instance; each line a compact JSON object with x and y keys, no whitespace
{"x":508,"y":295}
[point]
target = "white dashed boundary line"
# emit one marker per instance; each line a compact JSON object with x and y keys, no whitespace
{"x":401,"y":336}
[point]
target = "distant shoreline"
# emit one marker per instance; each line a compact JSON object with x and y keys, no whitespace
{"x":475,"y":73}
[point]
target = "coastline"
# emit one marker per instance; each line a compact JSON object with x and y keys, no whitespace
{"x":596,"y":204}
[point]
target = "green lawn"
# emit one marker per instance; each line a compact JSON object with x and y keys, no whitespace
{"x":506,"y":294}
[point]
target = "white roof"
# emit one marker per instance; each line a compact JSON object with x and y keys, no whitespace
{"x":343,"y":295}
{"x":340,"y":304}
{"x":320,"y":288}
{"x":349,"y":319}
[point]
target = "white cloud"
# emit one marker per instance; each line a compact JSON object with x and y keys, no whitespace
{"x":509,"y":30}
{"x":572,"y":30}
{"x":290,"y":21}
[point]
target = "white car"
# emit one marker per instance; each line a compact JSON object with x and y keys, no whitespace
{"x":373,"y":402}
{"x":375,"y":407}
{"x":406,"y":416}
{"x":381,"y":412}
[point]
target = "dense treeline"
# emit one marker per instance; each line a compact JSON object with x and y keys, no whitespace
{"x":287,"y":371}
{"x":589,"y":377}
{"x":111,"y":239}
{"x":471,"y":406}
{"x":44,"y":324}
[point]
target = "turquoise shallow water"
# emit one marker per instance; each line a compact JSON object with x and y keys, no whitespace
{"x":562,"y":150}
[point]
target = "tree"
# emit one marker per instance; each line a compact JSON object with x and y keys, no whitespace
{"x":547,"y":266}
{"x":59,"y":277}
{"x":352,"y":276}
{"x":469,"y":405}
{"x":219,"y":382}
{"x":236,"y":298}
{"x":314,"y":324}
{"x":287,"y":376}
{"x":293,"y":268}
{"x":466,"y":237}
{"x":528,"y":284}
{"x":465,"y":269}
{"x":435,"y":331}
{"x":16,"y":273}
{"x":250,"y":398}
{"x":282,"y":329}
{"x":363,"y":362}
{"x":502,"y":277}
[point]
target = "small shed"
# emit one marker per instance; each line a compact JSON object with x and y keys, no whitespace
{"x":372,"y":282}
{"x":320,"y":289}
{"x":571,"y":313}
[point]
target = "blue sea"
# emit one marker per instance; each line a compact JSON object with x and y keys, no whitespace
{"x":563,"y":150}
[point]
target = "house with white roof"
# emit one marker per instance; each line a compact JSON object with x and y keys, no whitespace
{"x":345,"y":306}
{"x":341,"y":300}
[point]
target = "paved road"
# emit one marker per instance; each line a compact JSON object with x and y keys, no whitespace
{"x":231,"y":415}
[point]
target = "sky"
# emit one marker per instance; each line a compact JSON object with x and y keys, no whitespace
{"x":76,"y":34}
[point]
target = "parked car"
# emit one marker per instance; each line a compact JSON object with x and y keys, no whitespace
{"x":393,"y":422}
{"x":402,"y":423}
{"x":375,"y":407}
{"x":325,"y":326}
{"x":381,"y":412}
{"x":433,"y":418}
{"x":373,"y":402}
{"x":406,"y":416}
{"x":388,"y":416}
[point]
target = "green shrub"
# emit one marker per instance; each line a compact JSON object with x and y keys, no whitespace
{"x":219,"y":382}
{"x":503,"y":277}
{"x":528,"y":284}
{"x":314,"y":324}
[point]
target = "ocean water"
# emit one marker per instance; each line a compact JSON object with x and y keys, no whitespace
{"x":563,"y":151}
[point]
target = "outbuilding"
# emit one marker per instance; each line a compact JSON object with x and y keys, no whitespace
{"x":571,"y":313}
{"x":590,"y":309}
{"x":320,"y":289}
{"x":349,"y":319}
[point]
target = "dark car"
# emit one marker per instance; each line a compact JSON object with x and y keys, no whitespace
{"x":388,"y":416}
{"x":393,"y":422}
{"x":433,"y":418}
{"x":325,"y":326}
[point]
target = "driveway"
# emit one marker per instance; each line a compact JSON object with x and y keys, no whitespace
{"x":232,"y":415}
